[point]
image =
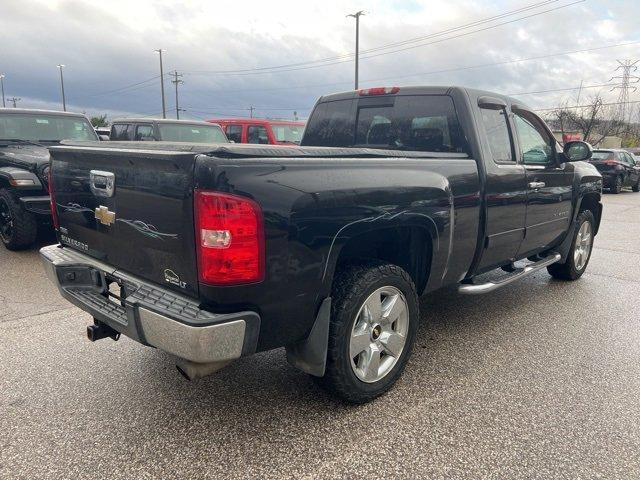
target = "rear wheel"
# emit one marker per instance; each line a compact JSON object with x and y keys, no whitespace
{"x":636,"y":187}
{"x":580,"y":253}
{"x":374,"y":320}
{"x":18,"y":228}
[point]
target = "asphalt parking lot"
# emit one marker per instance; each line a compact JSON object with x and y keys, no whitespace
{"x":539,"y":380}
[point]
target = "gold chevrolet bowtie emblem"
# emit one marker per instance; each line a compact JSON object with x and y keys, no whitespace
{"x":104,"y":216}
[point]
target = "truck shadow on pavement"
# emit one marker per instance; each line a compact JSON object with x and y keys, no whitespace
{"x":264,"y":391}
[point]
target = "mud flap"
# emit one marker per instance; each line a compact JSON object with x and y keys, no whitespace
{"x":310,"y":354}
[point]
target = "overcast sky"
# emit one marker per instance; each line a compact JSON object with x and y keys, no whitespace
{"x":226,"y":51}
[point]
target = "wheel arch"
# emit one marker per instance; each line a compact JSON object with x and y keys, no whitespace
{"x":410,"y":246}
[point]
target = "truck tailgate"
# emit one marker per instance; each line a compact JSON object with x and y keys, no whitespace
{"x":132,"y":209}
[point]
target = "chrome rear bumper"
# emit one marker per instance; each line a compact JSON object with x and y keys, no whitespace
{"x":150,"y":314}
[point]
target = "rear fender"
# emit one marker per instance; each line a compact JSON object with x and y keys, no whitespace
{"x":434,"y":221}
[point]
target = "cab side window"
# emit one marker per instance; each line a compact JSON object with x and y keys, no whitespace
{"x":256,"y":134}
{"x":496,"y":129}
{"x":536,"y":145}
{"x":234,"y":133}
{"x":121,"y":132}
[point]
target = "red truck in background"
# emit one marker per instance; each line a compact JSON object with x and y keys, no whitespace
{"x":263,"y":131}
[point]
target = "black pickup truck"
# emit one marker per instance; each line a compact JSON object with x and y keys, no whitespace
{"x":211,"y":253}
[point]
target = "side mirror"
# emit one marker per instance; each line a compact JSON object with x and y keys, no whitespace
{"x":103,"y":138}
{"x":577,"y":151}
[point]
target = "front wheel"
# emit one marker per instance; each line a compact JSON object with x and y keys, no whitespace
{"x":580,"y":253}
{"x":18,"y":228}
{"x":636,"y":187}
{"x":374,"y":320}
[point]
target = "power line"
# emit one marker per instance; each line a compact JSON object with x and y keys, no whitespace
{"x":568,"y":89}
{"x":309,"y":65}
{"x":391,"y":45}
{"x":611,"y":104}
{"x":125,"y":87}
{"x":433,"y":72}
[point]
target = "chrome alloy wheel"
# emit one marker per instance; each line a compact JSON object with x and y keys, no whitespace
{"x":584,"y":241}
{"x":379,"y":334}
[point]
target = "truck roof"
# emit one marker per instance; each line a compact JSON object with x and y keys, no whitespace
{"x":424,"y":90}
{"x":256,"y":121}
{"x":160,"y":120}
{"x":34,"y":111}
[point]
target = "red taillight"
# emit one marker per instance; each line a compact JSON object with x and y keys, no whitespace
{"x":378,"y":91}
{"x":54,"y":210}
{"x":230,"y":238}
{"x":610,"y":162}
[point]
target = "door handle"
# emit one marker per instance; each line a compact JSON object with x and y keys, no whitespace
{"x":536,"y":185}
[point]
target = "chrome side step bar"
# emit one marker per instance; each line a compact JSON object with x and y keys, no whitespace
{"x":471,"y":289}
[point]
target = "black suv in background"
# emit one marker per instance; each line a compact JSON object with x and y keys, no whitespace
{"x":25,"y":136}
{"x":619,"y":169}
{"x":147,"y":129}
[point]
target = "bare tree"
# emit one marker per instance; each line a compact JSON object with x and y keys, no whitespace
{"x":594,"y":120}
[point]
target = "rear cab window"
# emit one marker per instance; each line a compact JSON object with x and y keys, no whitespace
{"x":234,"y":133}
{"x":257,"y":134}
{"x":398,"y":122}
{"x":144,"y":132}
{"x":121,"y":132}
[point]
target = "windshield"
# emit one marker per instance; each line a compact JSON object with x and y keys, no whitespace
{"x":172,"y":132}
{"x":44,"y":127}
{"x":426,"y":123}
{"x":288,"y":133}
{"x":602,"y":156}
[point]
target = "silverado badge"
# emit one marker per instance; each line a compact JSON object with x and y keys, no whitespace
{"x":104,"y":216}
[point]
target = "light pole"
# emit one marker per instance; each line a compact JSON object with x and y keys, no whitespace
{"x":164,"y":108}
{"x":357,"y":16}
{"x":2,"y":84}
{"x":64,"y":102}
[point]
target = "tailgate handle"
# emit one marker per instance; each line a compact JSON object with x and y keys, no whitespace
{"x":103,"y":184}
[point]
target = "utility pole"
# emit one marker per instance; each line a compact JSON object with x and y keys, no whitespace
{"x":2,"y":84}
{"x":579,"y":93}
{"x":177,"y":82}
{"x":628,"y":67}
{"x":64,"y":102}
{"x":357,"y":16}
{"x":164,"y":108}
{"x":251,"y":109}
{"x":14,"y":100}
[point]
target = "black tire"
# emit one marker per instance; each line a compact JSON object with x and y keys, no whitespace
{"x":352,"y":286}
{"x":568,"y":269}
{"x":636,"y":187}
{"x":18,"y":228}
{"x":617,"y":187}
